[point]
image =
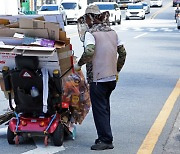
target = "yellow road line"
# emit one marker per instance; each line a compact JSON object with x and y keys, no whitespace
{"x":152,"y":137}
{"x":161,"y":10}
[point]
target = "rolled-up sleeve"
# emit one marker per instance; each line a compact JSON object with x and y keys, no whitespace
{"x":89,"y":49}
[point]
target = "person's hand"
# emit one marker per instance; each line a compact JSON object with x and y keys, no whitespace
{"x":77,"y":67}
{"x":117,"y":76}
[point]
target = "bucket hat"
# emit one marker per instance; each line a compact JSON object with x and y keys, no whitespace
{"x":92,"y":9}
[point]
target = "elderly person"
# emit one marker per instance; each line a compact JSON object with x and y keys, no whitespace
{"x":101,"y":46}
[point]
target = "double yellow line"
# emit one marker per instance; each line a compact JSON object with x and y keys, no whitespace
{"x":152,"y":137}
{"x":161,"y":10}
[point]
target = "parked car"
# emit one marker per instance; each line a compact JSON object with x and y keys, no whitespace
{"x":53,"y":9}
{"x":146,"y":7}
{"x":175,"y":2}
{"x":114,"y":10}
{"x":124,"y":3}
{"x":158,"y":3}
{"x":135,"y":11}
{"x":73,"y":9}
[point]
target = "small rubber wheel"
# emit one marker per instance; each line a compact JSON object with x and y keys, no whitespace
{"x":46,"y":140}
{"x":58,"y":135}
{"x":10,"y":136}
{"x":16,"y":139}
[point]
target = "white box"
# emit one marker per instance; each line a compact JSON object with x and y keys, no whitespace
{"x":47,"y":56}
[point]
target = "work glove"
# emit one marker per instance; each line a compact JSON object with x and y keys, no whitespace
{"x":77,"y":67}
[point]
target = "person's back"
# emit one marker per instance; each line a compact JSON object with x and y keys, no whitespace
{"x":105,"y":59}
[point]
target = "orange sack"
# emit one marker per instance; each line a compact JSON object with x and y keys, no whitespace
{"x":76,"y":93}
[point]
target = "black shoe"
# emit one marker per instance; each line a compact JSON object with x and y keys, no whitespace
{"x":99,"y":145}
{"x":97,"y":141}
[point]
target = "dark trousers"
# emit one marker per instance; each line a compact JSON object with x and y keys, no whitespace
{"x":100,"y":98}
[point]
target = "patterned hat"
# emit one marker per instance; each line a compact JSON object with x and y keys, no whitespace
{"x":92,"y":9}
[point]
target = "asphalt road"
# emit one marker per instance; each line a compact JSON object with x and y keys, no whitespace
{"x":149,"y":76}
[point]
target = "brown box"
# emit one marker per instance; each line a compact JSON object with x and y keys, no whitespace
{"x":52,"y":27}
{"x":53,"y":30}
{"x":4,"y":22}
{"x":31,"y":23}
{"x":62,"y":35}
{"x":65,"y":56}
{"x":67,"y":41}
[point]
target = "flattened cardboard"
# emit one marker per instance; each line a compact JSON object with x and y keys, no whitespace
{"x":39,"y":18}
{"x":57,"y":18}
{"x":13,"y":25}
{"x":33,"y":50}
{"x":6,"y":48}
{"x":47,"y":56}
{"x":11,"y":40}
{"x":42,"y":33}
{"x":6,"y":32}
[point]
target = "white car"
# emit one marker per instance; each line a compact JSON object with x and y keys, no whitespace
{"x":156,"y":3}
{"x":53,"y":9}
{"x":146,"y":7}
{"x":73,"y":10}
{"x":114,"y":10}
{"x":135,"y":11}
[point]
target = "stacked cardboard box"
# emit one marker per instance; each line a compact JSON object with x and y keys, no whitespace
{"x":58,"y":57}
{"x":13,"y":36}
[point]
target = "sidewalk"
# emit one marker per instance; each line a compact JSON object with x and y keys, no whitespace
{"x":172,"y":145}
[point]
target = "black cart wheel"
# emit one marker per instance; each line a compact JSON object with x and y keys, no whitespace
{"x":10,"y":136}
{"x":58,"y":135}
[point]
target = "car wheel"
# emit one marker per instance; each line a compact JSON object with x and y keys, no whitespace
{"x":119,"y":21}
{"x":127,"y":18}
{"x":114,"y":22}
{"x":143,"y":18}
{"x":65,"y":22}
{"x":178,"y":27}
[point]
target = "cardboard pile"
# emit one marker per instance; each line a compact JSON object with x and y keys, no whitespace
{"x":48,"y":41}
{"x":53,"y":47}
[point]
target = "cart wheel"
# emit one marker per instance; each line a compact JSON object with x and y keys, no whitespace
{"x":46,"y":140}
{"x":16,"y":139}
{"x":10,"y":136}
{"x":58,"y":135}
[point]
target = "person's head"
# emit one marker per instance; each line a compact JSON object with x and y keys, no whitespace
{"x":94,"y":9}
{"x":92,"y":19}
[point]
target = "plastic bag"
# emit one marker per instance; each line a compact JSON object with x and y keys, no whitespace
{"x":76,"y":92}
